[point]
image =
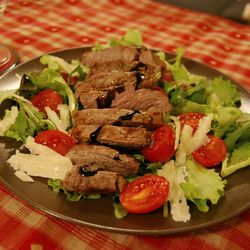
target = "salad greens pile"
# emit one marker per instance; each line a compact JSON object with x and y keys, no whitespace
{"x":187,"y":92}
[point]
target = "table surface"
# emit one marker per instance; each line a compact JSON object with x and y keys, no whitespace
{"x":37,"y":27}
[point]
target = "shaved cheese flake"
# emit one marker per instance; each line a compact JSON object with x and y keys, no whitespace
{"x":23,"y":177}
{"x":190,"y":142}
{"x":179,"y":208}
{"x":64,"y":115}
{"x":185,"y":142}
{"x":46,"y":166}
{"x":200,"y":137}
{"x":177,"y":131}
{"x":52,"y":115}
{"x":8,"y":120}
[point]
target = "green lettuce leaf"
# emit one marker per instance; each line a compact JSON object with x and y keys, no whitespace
{"x":242,"y":133}
{"x":226,"y":91}
{"x":132,"y":37}
{"x":20,"y":129}
{"x":181,"y":74}
{"x":29,"y":120}
{"x":240,"y":158}
{"x":119,"y":210}
{"x":49,"y":78}
{"x":202,"y":185}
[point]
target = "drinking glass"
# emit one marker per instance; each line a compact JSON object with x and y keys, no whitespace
{"x":8,"y":57}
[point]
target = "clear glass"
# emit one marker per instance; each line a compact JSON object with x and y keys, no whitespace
{"x":4,"y":52}
{"x":3,"y":4}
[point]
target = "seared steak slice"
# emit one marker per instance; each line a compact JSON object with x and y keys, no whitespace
{"x":149,"y":58}
{"x":142,"y":99}
{"x":123,"y":117}
{"x":97,"y":99}
{"x":114,"y":66}
{"x":106,"y":82}
{"x":96,"y":157}
{"x":89,"y":100}
{"x":122,"y":53}
{"x":151,"y":68}
{"x":101,"y":182}
{"x":113,"y":135}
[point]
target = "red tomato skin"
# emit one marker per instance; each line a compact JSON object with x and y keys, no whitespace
{"x":47,"y":97}
{"x":145,"y":194}
{"x":72,"y":80}
{"x":162,"y":147}
{"x":168,"y":76}
{"x":160,"y":90}
{"x":56,"y":140}
{"x":211,"y":154}
{"x":191,"y":118}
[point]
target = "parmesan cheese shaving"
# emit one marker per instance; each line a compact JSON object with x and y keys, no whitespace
{"x":52,"y":115}
{"x":189,"y":141}
{"x":23,"y":177}
{"x":46,"y":166}
{"x":179,"y":208}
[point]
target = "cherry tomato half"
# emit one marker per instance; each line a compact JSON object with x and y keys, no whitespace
{"x":144,"y":194}
{"x":56,"y":140}
{"x":212,"y":153}
{"x":47,"y":98}
{"x":162,"y":147}
{"x":191,"y":118}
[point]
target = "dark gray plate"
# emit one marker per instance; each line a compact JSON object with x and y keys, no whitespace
{"x":99,"y":213}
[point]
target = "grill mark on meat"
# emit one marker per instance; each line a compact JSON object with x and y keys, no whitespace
{"x":98,"y":157}
{"x":113,"y":135}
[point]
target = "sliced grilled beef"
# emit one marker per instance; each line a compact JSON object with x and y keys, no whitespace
{"x":114,"y":66}
{"x":142,"y":99}
{"x":97,"y":157}
{"x":97,"y":99}
{"x":105,"y":82}
{"x":122,"y":53}
{"x":101,"y":182}
{"x":150,"y":68}
{"x":123,"y":117}
{"x":112,"y":135}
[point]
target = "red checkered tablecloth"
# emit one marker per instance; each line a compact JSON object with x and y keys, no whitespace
{"x":36,"y":27}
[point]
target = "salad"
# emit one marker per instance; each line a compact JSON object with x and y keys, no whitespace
{"x":126,"y":121}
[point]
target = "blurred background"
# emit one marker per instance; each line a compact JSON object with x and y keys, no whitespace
{"x":237,"y":10}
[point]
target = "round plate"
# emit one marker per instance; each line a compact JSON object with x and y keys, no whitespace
{"x":99,"y":213}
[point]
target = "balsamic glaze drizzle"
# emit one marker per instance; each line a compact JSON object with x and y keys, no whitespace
{"x":128,"y":116}
{"x":93,"y":135}
{"x":83,"y":171}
